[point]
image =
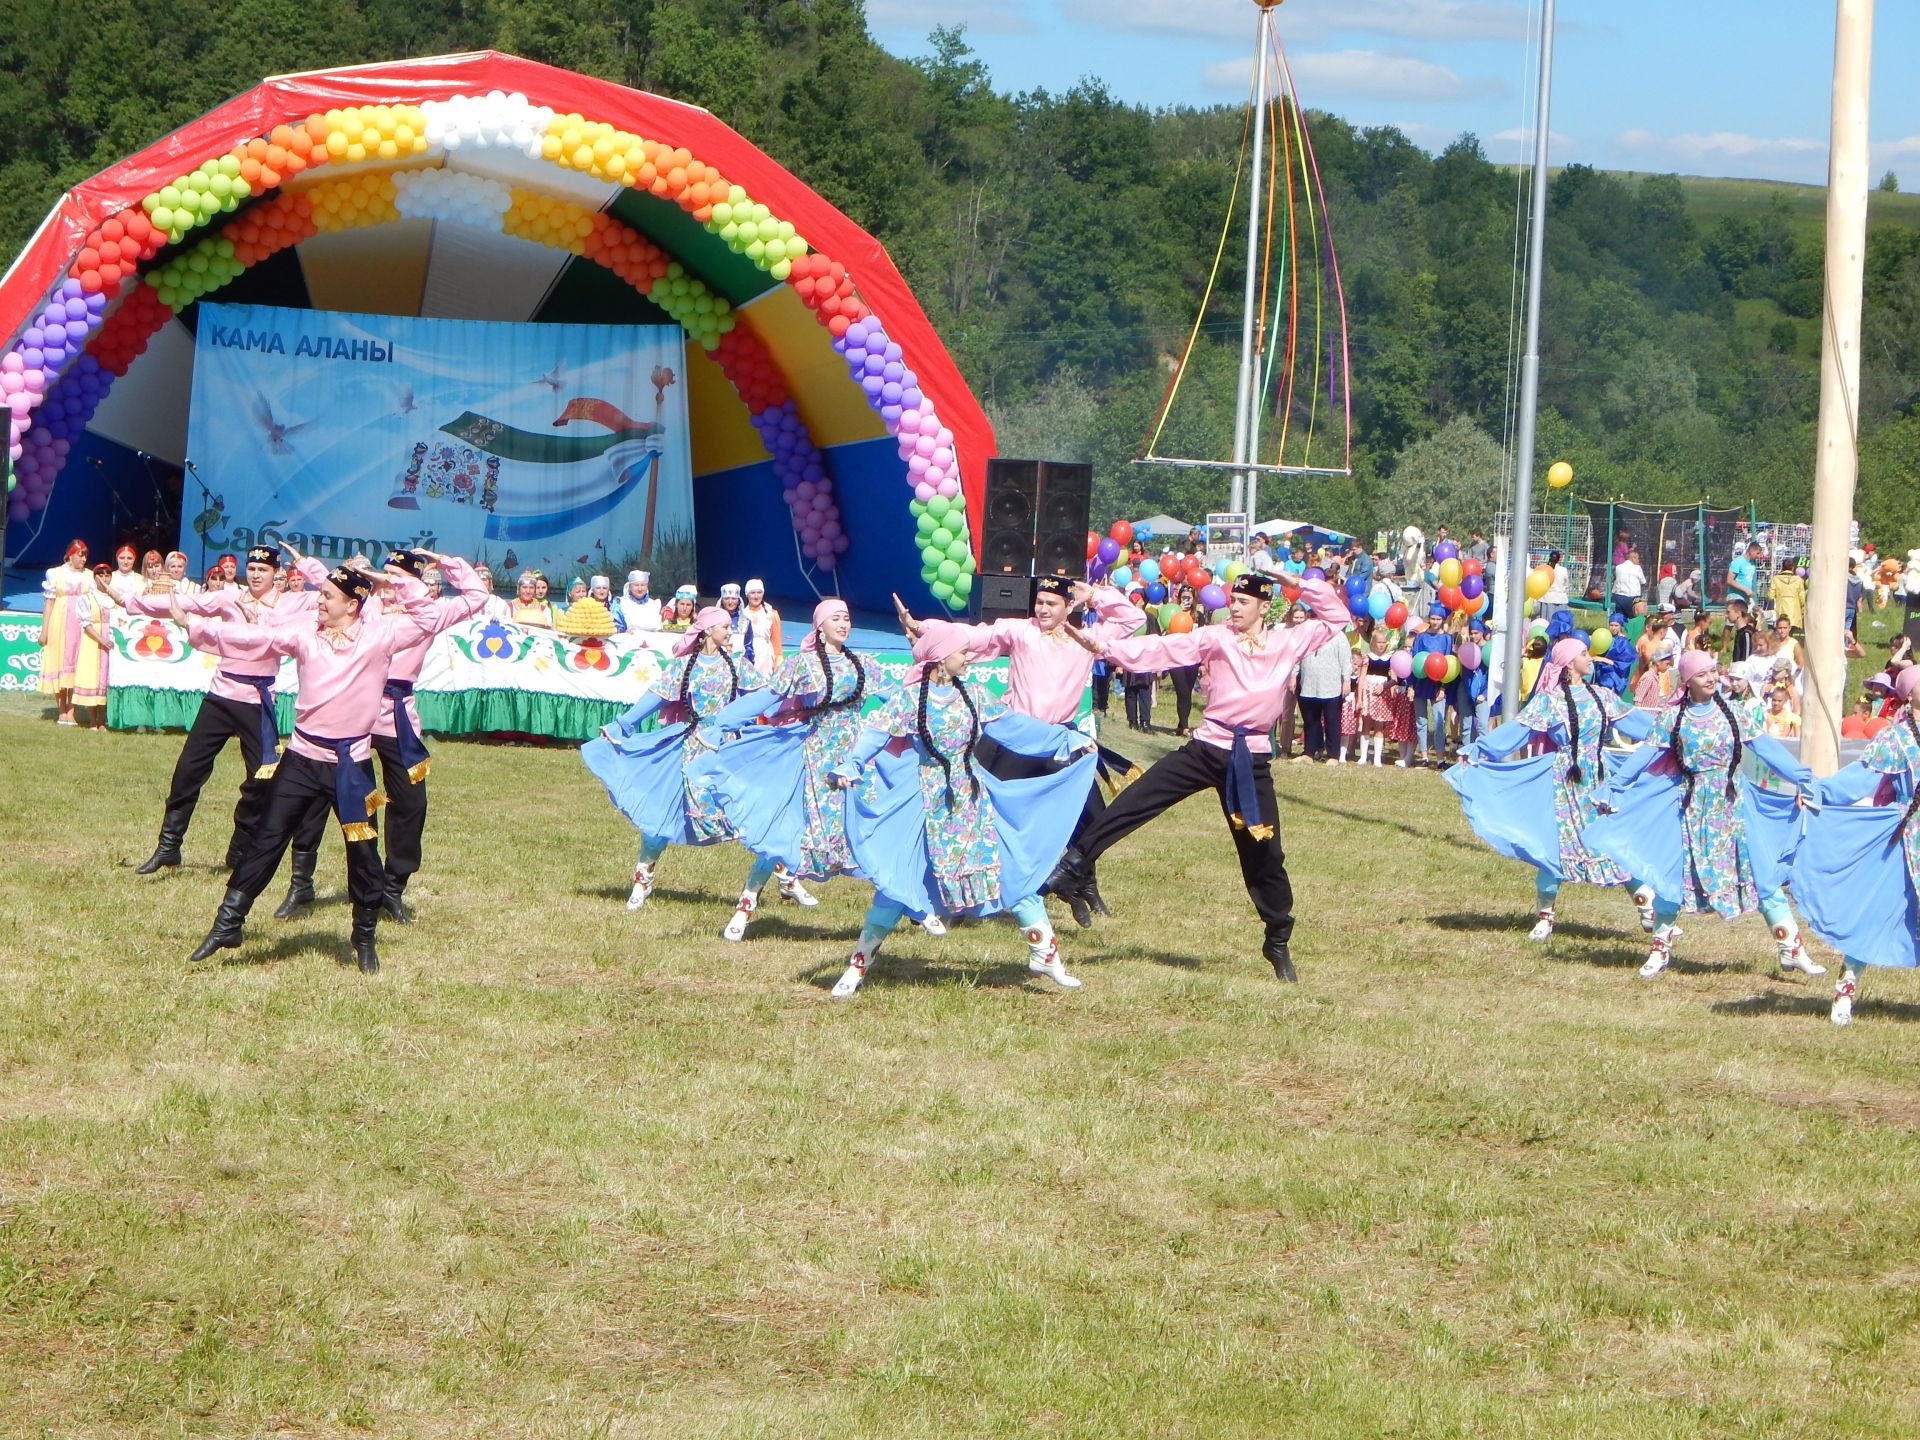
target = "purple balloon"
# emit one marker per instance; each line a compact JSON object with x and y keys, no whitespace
{"x":1473,"y":586}
{"x":1313,"y":572}
{"x":1109,"y":550}
{"x":1097,"y":569}
{"x":1470,"y":653}
{"x":1212,"y":596}
{"x":1445,"y":550}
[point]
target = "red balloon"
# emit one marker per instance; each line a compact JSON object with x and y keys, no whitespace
{"x":1199,"y":577}
{"x":1093,"y":544}
{"x":1450,"y":596}
{"x":1120,"y":530}
{"x":1396,"y":615}
{"x":1435,"y":667}
{"x":1472,"y":567}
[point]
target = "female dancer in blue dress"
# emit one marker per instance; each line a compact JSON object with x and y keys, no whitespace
{"x":647,"y":775}
{"x":938,"y":834}
{"x":1535,"y":809}
{"x":1683,"y":818}
{"x":771,"y":780}
{"x":1856,"y":871}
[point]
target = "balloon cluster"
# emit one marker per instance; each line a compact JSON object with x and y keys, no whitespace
{"x":945,"y":559}
{"x":494,"y":121}
{"x":1153,"y":580}
{"x":113,"y":250}
{"x":136,"y":320}
{"x":204,"y":267}
{"x":196,"y":197}
{"x":451,"y":195}
{"x":804,"y":483}
{"x":751,"y":230}
{"x":374,"y":132}
{"x":44,"y":349}
{"x":1462,"y":584}
{"x":694,"y":308}
{"x":627,"y":253}
{"x":353,"y":201}
{"x":270,"y":227}
{"x":609,"y":153}
{"x":69,"y":404}
{"x":825,"y":287}
{"x":548,"y":220}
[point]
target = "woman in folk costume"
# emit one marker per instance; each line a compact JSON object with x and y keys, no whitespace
{"x":1857,"y":868}
{"x":1681,"y":817}
{"x":939,"y":834}
{"x":771,"y":781}
{"x":71,"y":659}
{"x":1536,"y":809}
{"x":647,"y":776}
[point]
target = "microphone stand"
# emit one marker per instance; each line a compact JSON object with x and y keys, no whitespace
{"x":206,"y":501}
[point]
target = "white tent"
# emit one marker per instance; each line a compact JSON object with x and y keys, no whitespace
{"x":1163,"y":527}
{"x":1274,"y":529}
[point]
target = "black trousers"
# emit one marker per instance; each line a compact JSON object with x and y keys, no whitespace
{"x":1140,"y":700}
{"x":1183,"y":679}
{"x":299,"y":803}
{"x":1187,"y":771}
{"x":406,"y":814}
{"x":219,"y":721}
{"x":1004,"y":764}
{"x":1321,"y":719}
{"x":1102,"y":690}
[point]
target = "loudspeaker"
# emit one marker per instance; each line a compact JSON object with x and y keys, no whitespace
{"x":1008,"y":517}
{"x":1003,"y":597}
{"x":1066,"y":500}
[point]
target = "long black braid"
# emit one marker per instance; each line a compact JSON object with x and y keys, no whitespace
{"x":845,"y":701}
{"x":686,"y":676}
{"x":1733,"y":765}
{"x":1573,"y":723}
{"x":926,"y":736}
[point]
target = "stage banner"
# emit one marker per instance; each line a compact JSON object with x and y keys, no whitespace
{"x":482,"y":677}
{"x":19,"y":651}
{"x":558,"y":447}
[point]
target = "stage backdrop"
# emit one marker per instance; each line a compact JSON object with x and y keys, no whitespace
{"x":562,"y":447}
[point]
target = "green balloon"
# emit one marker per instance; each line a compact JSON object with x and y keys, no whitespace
{"x":963,"y":587}
{"x":1166,"y":613}
{"x":931,"y":556}
{"x":942,"y":590}
{"x":925,"y":526}
{"x":949,"y":571}
{"x":941,"y":539}
{"x":939,"y":505}
{"x":958,"y":551}
{"x":917,"y":507}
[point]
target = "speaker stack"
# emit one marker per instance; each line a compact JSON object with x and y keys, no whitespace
{"x":1035,"y":523}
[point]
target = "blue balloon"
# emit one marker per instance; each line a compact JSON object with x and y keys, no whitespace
{"x":1378,"y":602}
{"x":1120,"y":576}
{"x":1149,"y":569}
{"x":1156,"y":592}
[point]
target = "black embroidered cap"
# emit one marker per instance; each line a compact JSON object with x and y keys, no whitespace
{"x":264,"y":555}
{"x":1249,"y":582}
{"x":354,"y":584}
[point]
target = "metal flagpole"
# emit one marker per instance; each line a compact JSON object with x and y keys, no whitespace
{"x":1245,"y":397}
{"x":1836,"y":458}
{"x":1513,"y":571}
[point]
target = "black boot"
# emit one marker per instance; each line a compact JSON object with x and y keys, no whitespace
{"x":394,"y":902}
{"x":173,"y":831}
{"x":225,"y":934}
{"x":1276,"y":955}
{"x":236,"y":851}
{"x":1070,"y":881}
{"x":365,"y":919}
{"x":300,"y":886}
{"x":1095,"y":901}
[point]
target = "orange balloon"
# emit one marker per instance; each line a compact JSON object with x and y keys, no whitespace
{"x":1180,"y":624}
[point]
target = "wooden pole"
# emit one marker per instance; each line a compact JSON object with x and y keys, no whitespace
{"x":1836,"y":459}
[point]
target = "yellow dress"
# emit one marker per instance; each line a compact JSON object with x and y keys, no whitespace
{"x":65,"y":648}
{"x":1789,"y":597}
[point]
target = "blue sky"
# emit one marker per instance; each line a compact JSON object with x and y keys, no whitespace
{"x":1705,"y":87}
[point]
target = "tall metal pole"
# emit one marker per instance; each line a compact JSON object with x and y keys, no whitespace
{"x":1836,"y":459}
{"x":1513,"y":572}
{"x":1244,"y":425}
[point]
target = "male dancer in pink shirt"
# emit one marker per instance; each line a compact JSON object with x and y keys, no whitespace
{"x":1248,"y":668}
{"x":342,"y":662}
{"x":238,"y":706}
{"x":1048,"y":661}
{"x":396,"y":734}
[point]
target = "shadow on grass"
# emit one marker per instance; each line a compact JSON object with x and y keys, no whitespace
{"x":1289,"y":801}
{"x":1568,"y":929}
{"x":888,"y":973}
{"x":1804,"y":1005}
{"x":331,"y":944}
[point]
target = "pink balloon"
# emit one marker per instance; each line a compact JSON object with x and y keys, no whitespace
{"x":924,"y":491}
{"x":916,"y":465}
{"x":910,"y":421}
{"x":943,"y":456}
{"x":925,"y":446}
{"x":929,"y":424}
{"x":1401,"y":665}
{"x":949,"y":487}
{"x":11,"y":363}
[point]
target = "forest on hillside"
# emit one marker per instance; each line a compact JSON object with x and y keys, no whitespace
{"x":1060,"y":242}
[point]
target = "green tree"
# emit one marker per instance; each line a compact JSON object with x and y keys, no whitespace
{"x":1450,"y":478}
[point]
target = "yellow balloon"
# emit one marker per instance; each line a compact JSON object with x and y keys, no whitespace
{"x":1451,"y":573}
{"x":1599,"y":642}
{"x":1559,"y":475}
{"x":1539,"y":581}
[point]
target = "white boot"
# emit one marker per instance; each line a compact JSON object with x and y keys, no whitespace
{"x":934,"y":925}
{"x":1379,"y":751}
{"x":1793,"y":954}
{"x":791,"y":889}
{"x":1543,"y":926}
{"x":736,"y":926}
{"x":642,"y":885}
{"x":1643,"y":902}
{"x":1843,"y":993}
{"x":1661,"y":952}
{"x":1341,"y":758}
{"x":857,"y":964}
{"x":1043,"y":957}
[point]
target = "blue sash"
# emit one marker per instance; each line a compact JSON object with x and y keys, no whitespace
{"x":1243,"y":799}
{"x":354,"y":796}
{"x":269,"y":728}
{"x":413,"y":752}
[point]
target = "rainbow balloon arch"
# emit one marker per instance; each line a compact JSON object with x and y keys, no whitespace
{"x":330,"y":151}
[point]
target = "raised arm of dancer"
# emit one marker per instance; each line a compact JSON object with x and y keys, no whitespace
{"x":1503,"y":740}
{"x":745,"y":708}
{"x":1634,"y":723}
{"x":1150,"y":654}
{"x":1114,"y":616}
{"x":1848,"y":785}
{"x":235,"y":641}
{"x":871,"y":742}
{"x":1777,"y":758}
{"x":443,"y":612}
{"x":211,"y":605}
{"x":621,"y":726}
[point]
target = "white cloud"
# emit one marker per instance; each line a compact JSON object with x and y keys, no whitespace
{"x":997,"y":16}
{"x":1518,"y":141}
{"x":1694,"y":147}
{"x":1374,"y":74}
{"x":1313,"y":20}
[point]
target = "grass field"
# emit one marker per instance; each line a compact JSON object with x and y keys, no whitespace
{"x":565,"y":1171}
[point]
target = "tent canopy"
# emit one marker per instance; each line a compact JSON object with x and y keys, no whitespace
{"x":485,"y":186}
{"x":1162,"y":526}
